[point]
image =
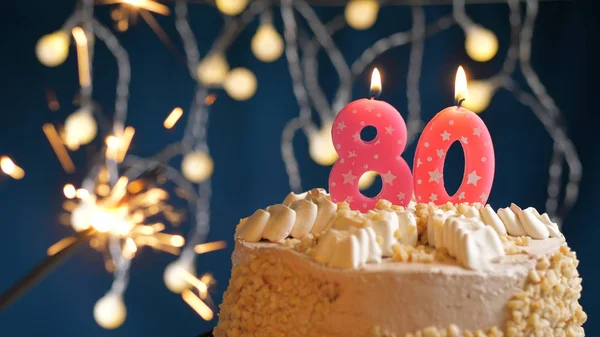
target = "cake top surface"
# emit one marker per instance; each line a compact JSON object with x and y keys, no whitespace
{"x":461,"y":236}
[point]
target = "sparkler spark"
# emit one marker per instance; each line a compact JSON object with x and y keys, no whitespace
{"x":10,"y":168}
{"x":58,"y":147}
{"x":173,"y":117}
{"x":209,"y":247}
{"x":83,"y":56}
{"x":124,"y":215}
{"x":197,"y":304}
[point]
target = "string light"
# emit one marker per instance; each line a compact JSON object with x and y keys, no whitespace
{"x":81,"y":127}
{"x":231,"y":7}
{"x":367,"y":180}
{"x":110,"y":311}
{"x":480,"y":95}
{"x":481,"y":44}
{"x":69,"y":191}
{"x":361,"y":14}
{"x":10,"y":168}
{"x":321,"y":148}
{"x":174,"y":276}
{"x":53,"y":49}
{"x":240,"y":84}
{"x":197,"y":166}
{"x":267,"y":44}
{"x":212,"y":70}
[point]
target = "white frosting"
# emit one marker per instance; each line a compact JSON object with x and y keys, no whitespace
{"x":473,"y":212}
{"x":280,"y":224}
{"x":385,"y":224}
{"x":511,"y":222}
{"x":470,"y":241}
{"x":347,"y":248}
{"x":407,"y":228}
{"x":434,"y":225}
{"x":306,"y":213}
{"x":326,"y":211}
{"x":293,"y":197}
{"x":519,"y":222}
{"x":490,"y":218}
{"x":251,"y":228}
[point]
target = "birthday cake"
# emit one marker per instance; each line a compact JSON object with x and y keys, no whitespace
{"x":312,"y":267}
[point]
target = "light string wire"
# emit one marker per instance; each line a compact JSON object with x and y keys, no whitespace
{"x":122,"y":265}
{"x":303,"y":120}
{"x":195,"y":134}
{"x":415,"y":64}
{"x":563,"y":148}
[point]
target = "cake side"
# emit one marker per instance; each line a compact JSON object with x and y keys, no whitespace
{"x":422,"y":271}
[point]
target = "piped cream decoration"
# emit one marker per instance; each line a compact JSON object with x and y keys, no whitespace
{"x":470,"y":241}
{"x":280,"y":224}
{"x":306,"y":214}
{"x":492,"y":219}
{"x":385,"y":224}
{"x":347,"y":248}
{"x":251,"y":228}
{"x":519,"y":222}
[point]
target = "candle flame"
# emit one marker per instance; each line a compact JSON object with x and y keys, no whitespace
{"x":375,"y":84}
{"x":173,"y":118}
{"x":197,"y":304}
{"x":460,"y":85}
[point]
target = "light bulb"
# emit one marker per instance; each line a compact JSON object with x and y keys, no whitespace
{"x":367,"y":179}
{"x":110,"y":311}
{"x":481,"y":44}
{"x":81,"y":127}
{"x":267,"y":44}
{"x":320,"y":146}
{"x":480,"y":95}
{"x":197,"y":166}
{"x":240,"y":84}
{"x":53,"y":49}
{"x":174,"y":276}
{"x":361,"y":14}
{"x":231,"y":7}
{"x":213,"y":70}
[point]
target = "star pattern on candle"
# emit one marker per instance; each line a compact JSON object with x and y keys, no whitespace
{"x":349,"y":199}
{"x":341,"y":126}
{"x":433,"y":197}
{"x":473,"y":178}
{"x":461,"y":195}
{"x":435,"y":176}
{"x":401,"y":196}
{"x":464,"y":140}
{"x":445,"y":135}
{"x":356,"y":137}
{"x":348,"y":178}
{"x":477,"y":132}
{"x":352,"y":154}
{"x":388,"y":178}
{"x":419,"y":162}
{"x":483,"y":197}
{"x":369,"y":108}
{"x":440,"y":153}
{"x":389,"y":130}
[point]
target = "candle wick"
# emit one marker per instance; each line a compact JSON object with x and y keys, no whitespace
{"x":460,"y":101}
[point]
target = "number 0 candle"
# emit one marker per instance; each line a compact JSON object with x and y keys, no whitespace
{"x":454,"y":124}
{"x":382,"y":154}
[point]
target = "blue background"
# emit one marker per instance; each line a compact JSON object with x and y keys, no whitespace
{"x":244,"y":139}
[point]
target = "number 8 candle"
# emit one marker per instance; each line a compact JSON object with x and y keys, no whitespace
{"x":454,"y":124}
{"x":382,"y":154}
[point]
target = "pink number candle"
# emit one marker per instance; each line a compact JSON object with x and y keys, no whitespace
{"x":454,"y":124}
{"x":382,"y":154}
